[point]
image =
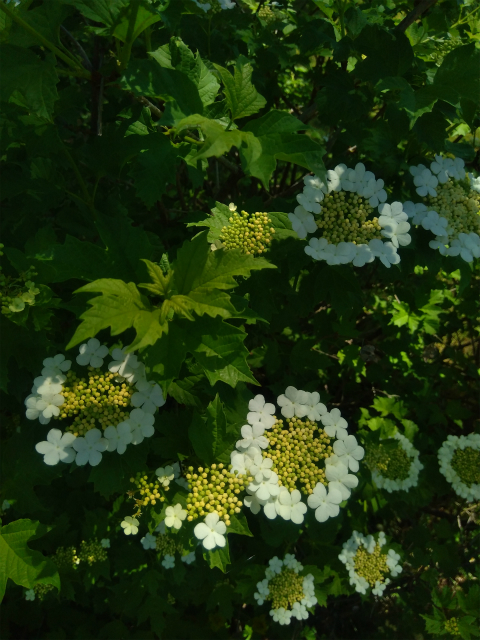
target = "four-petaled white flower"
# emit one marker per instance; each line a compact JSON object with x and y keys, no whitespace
{"x":118,"y":437}
{"x":290,"y":507}
{"x":92,"y":353}
{"x":303,"y":222}
{"x":165,"y":475}
{"x":390,"y":212}
{"x":211,"y":531}
{"x":168,"y":561}
{"x":241,"y":462}
{"x":334,"y":425}
{"x":385,"y":251}
{"x":293,"y":403}
{"x":90,"y":448}
{"x":149,"y":542}
{"x":424,"y":180}
{"x":126,"y":365}
{"x":261,"y":411}
{"x":30,"y":594}
{"x":57,"y":447}
{"x":253,"y":437}
{"x":129,"y":526}
{"x":338,"y":477}
{"x":174,"y":516}
{"x":313,"y":407}
{"x":325,"y":504}
{"x":141,"y":425}
{"x":55,"y":366}
{"x":105,"y":542}
{"x":189,"y":558}
{"x":261,"y":468}
{"x":349,"y":452}
{"x":267,"y":488}
{"x":149,"y":396}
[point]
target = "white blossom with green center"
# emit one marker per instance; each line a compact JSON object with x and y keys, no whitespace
{"x":394,"y":464}
{"x":459,"y":459}
{"x":295,"y":455}
{"x":289,"y":592}
{"x":369,"y":563}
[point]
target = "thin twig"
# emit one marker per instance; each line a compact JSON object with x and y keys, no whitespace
{"x":421,"y":7}
{"x":86,"y":62}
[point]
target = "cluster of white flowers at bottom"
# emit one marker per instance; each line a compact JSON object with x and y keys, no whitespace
{"x":290,"y":593}
{"x":367,"y":564}
{"x":415,"y":467}
{"x":266,"y":491}
{"x":459,"y":459}
{"x":223,"y":4}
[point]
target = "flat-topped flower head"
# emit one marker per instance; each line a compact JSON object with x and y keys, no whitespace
{"x":394,"y":464}
{"x":252,"y":234}
{"x":211,"y":532}
{"x":459,"y":459}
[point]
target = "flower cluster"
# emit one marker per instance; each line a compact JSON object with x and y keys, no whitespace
{"x":285,"y":462}
{"x":17,"y":293}
{"x":459,"y":459}
{"x":368,"y":563}
{"x":215,"y":489}
{"x":344,"y":207}
{"x":289,"y":592}
{"x":66,"y":558}
{"x":95,"y":407}
{"x":394,"y":464}
{"x":250,"y":233}
{"x":91,"y":552}
{"x":451,"y":207}
{"x":215,"y":5}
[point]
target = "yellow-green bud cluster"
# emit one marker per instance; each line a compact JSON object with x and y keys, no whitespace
{"x":371,"y":566}
{"x":17,"y":293}
{"x":166,"y":545}
{"x":466,"y":463}
{"x":250,"y":233}
{"x":296,"y":451}
{"x":66,"y":558}
{"x":451,"y":627}
{"x":286,"y":588}
{"x":347,"y":217}
{"x":41,"y":590}
{"x":170,"y":599}
{"x":215,"y":489}
{"x":92,"y":552}
{"x":389,"y":459}
{"x":149,"y":490}
{"x":96,"y":402}
{"x":459,"y":204}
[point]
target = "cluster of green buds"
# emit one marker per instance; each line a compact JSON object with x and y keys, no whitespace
{"x":96,"y":402}
{"x":41,"y":590}
{"x":215,"y":489}
{"x":148,"y":489}
{"x":92,"y":552}
{"x":389,"y":459}
{"x":170,"y":599}
{"x":66,"y":558}
{"x":442,"y":47}
{"x":466,"y":463}
{"x":451,"y":627}
{"x":17,"y":293}
{"x":459,"y":204}
{"x":347,"y":217}
{"x":371,"y":566}
{"x":167,"y":546}
{"x":296,"y":451}
{"x":286,"y":588}
{"x":250,"y":233}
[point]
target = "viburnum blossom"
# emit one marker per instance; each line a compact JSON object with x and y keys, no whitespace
{"x":32,"y":413}
{"x":149,"y":396}
{"x":386,"y":251}
{"x":424,"y":180}
{"x":174,"y":516}
{"x":253,"y":437}
{"x":92,"y":353}
{"x":118,"y":437}
{"x":141,"y":425}
{"x":325,"y":504}
{"x":338,"y":477}
{"x":290,"y":507}
{"x":129,"y":526}
{"x":148,"y":541}
{"x":165,"y":475}
{"x":349,"y":452}
{"x":211,"y":531}
{"x":293,"y":403}
{"x":168,"y":561}
{"x":303,"y":222}
{"x":57,"y":447}
{"x":334,"y":425}
{"x":90,"y":448}
{"x":261,"y":411}
{"x":126,"y":365}
{"x":56,"y":366}
{"x":266,"y":488}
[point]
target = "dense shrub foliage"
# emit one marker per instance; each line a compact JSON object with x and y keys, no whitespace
{"x":239,"y":318}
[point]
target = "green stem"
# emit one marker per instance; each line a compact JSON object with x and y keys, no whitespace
{"x":148,"y":39}
{"x":83,"y":187}
{"x":465,"y":19}
{"x":189,"y":139}
{"x":341,"y":12}
{"x":127,"y":47}
{"x":95,"y":190}
{"x":82,"y":72}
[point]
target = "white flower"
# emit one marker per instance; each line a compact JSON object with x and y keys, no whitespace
{"x":89,"y":448}
{"x":253,"y":437}
{"x":261,"y":411}
{"x":203,"y":5}
{"x":149,"y":542}
{"x":130,"y":526}
{"x":392,"y":562}
{"x":316,"y":248}
{"x":373,"y":191}
{"x":30,"y":594}
{"x":211,"y":531}
{"x":275,"y":564}
{"x":325,"y":504}
{"x":105,"y":542}
{"x":299,"y":611}
{"x":311,"y":196}
{"x":363,"y":256}
{"x":379,"y":587}
{"x":6,"y":505}
{"x":165,"y":475}
{"x":445,"y":167}
{"x":341,"y":253}
{"x":334,"y":177}
{"x":349,"y":452}
{"x":281,"y":615}
{"x":334,"y":425}
{"x":469,"y":246}
{"x":126,"y":365}
{"x":434,"y":223}
{"x":168,"y":561}
{"x":392,"y":211}
{"x":57,"y":447}
{"x":149,"y":396}
{"x":397,"y":233}
{"x":313,"y":407}
{"x":293,"y":403}
{"x":118,"y":437}
{"x":290,"y":507}
{"x":412,"y":210}
{"x":261,"y":468}
{"x":253,"y":503}
{"x":424,"y":180}
{"x":338,"y":477}
{"x":174,"y":516}
{"x":32,"y":413}
{"x":56,"y":366}
{"x":160,"y":528}
{"x":292,"y":563}
{"x":267,"y":488}
{"x":303,"y":222}
{"x":189,"y":558}
{"x":474,"y":182}
{"x":227,"y":4}
{"x":49,"y":403}
{"x":141,"y":425}
{"x":92,"y":353}
{"x":385,"y":251}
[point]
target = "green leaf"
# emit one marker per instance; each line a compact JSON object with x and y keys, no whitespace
{"x":217,"y":141}
{"x":242,"y":98}
{"x":219,"y":557}
{"x":45,"y":19}
{"x":458,"y":75}
{"x":102,"y":10}
{"x":433,"y":626}
{"x":154,"y":169}
{"x":21,"y":564}
{"x":145,"y":16}
{"x":209,"y":435}
{"x":119,"y":307}
{"x":274,"y":122}
{"x":28,"y":81}
{"x":239,"y":524}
